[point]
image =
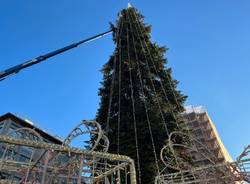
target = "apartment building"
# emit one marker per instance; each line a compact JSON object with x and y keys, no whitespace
{"x":203,"y":129}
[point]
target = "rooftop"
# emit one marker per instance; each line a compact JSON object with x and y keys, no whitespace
{"x":29,"y":124}
{"x":196,"y":109}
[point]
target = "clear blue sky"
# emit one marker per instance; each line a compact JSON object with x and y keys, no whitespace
{"x":209,"y":53}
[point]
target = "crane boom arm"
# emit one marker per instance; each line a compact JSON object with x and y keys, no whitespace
{"x":15,"y":69}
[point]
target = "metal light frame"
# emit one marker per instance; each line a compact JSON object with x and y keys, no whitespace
{"x":185,"y":171}
{"x":53,"y":163}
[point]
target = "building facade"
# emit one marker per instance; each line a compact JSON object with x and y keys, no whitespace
{"x":203,"y":129}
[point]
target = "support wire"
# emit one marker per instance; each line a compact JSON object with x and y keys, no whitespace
{"x":133,"y":108}
{"x":143,"y":99}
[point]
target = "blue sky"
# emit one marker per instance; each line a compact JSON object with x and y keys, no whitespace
{"x":209,"y":45}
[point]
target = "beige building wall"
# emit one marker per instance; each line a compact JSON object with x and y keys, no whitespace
{"x":203,"y":129}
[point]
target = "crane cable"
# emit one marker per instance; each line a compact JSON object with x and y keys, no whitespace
{"x":152,"y":84}
{"x":118,"y":40}
{"x":112,"y":86}
{"x":160,"y":79}
{"x":119,"y":90}
{"x":157,"y":73}
{"x":143,"y":99}
{"x":133,"y":109}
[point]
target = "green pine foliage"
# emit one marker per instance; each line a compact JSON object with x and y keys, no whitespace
{"x":136,"y":53}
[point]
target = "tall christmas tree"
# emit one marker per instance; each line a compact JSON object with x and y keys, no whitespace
{"x":139,"y":104}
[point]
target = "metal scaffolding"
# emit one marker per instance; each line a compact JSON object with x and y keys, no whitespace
{"x":182,"y":168}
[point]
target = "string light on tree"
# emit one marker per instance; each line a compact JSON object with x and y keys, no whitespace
{"x":139,"y":104}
